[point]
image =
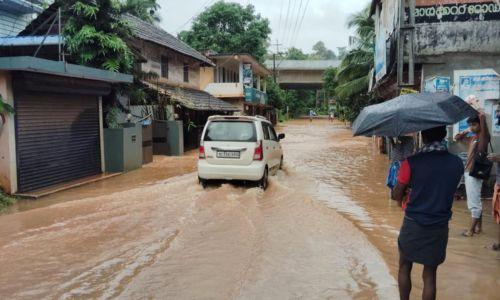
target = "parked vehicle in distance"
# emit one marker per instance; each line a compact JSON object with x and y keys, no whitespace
{"x":239,"y":148}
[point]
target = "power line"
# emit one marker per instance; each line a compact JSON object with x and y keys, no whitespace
{"x":289,"y":36}
{"x":286,"y":21}
{"x":301,"y":21}
{"x":203,"y":7}
{"x":281,"y":14}
{"x":294,"y":31}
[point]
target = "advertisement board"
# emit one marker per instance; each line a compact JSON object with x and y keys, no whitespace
{"x":437,"y":84}
{"x":247,"y":75}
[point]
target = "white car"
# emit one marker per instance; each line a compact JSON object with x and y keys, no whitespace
{"x":239,"y":148}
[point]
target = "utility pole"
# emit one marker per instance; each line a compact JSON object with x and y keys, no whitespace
{"x":274,"y":58}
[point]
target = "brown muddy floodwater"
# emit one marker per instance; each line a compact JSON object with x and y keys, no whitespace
{"x":324,"y":229}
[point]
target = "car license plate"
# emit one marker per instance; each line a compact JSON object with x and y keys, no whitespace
{"x":228,"y":154}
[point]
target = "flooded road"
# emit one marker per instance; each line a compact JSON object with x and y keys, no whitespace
{"x":324,"y":229}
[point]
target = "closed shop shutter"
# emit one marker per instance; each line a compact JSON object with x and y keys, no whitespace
{"x":57,"y":138}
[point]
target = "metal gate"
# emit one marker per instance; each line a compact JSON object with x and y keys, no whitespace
{"x":57,"y":138}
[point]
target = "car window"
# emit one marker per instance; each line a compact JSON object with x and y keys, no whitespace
{"x":231,"y":131}
{"x":272,"y":133}
{"x":265,"y":130}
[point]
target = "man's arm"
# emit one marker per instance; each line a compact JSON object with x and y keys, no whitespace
{"x":484,"y":135}
{"x":400,"y":193}
{"x":401,"y":188}
{"x":494,"y":157}
{"x":461,"y":136}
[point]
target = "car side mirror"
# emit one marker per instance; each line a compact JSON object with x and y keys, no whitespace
{"x":281,"y":136}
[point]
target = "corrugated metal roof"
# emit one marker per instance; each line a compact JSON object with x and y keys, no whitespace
{"x":39,"y":65}
{"x":307,"y":65}
{"x":152,"y":33}
{"x":193,"y":99}
{"x":29,"y":40}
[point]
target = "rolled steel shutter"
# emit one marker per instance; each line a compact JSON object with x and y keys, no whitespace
{"x":57,"y":138}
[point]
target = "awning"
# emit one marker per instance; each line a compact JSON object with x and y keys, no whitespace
{"x":192,"y":98}
{"x":30,"y":40}
{"x":59,"y":68}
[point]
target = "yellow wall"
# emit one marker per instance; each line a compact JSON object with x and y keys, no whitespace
{"x":8,"y":177}
{"x":206,"y":76}
{"x":153,"y":53}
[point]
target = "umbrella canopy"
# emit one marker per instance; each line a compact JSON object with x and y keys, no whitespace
{"x":411,"y":113}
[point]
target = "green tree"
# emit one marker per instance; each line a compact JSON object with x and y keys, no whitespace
{"x":94,"y":34}
{"x":330,"y":81}
{"x":295,"y":54}
{"x":321,"y":52}
{"x":275,"y":93}
{"x":229,"y":28}
{"x":146,"y":10}
{"x":354,"y":74}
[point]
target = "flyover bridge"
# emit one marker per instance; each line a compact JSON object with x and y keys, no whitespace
{"x":301,"y":74}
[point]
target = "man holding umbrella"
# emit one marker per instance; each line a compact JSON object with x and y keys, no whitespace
{"x":433,"y":176}
{"x":427,"y":181}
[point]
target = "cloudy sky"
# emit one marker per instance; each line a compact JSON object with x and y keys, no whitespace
{"x":323,"y":20}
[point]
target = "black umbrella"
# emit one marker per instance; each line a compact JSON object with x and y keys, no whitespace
{"x":411,"y":113}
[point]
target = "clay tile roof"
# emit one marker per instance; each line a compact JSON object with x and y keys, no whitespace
{"x":150,"y":32}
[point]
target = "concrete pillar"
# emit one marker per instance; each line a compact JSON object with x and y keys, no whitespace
{"x":265,"y":86}
{"x":258,"y":82}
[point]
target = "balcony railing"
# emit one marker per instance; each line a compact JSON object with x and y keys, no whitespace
{"x":255,"y":96}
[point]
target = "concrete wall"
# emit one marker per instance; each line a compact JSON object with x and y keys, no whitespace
{"x":472,"y":36}
{"x":153,"y":53}
{"x":300,"y":76}
{"x":8,"y":175}
{"x":225,"y":90}
{"x":206,"y":76}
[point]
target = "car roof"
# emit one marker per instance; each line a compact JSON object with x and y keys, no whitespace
{"x":238,"y":118}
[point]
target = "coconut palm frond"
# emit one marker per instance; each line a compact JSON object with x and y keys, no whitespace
{"x":357,"y":56}
{"x":352,"y":72}
{"x":353,"y":87}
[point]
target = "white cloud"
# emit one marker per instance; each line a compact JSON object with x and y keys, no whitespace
{"x":324,"y":20}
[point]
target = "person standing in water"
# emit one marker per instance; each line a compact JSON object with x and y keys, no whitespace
{"x":478,"y":142}
{"x":430,"y":178}
{"x":311,"y":115}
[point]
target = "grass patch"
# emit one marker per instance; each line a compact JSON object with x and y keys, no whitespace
{"x":6,"y":200}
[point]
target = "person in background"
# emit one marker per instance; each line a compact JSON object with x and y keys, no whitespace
{"x":495,"y":157}
{"x":432,"y":175}
{"x":311,"y":115}
{"x":401,"y":148}
{"x":477,"y":142}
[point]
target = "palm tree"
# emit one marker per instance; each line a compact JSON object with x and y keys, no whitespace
{"x":146,"y":10}
{"x":353,"y":76}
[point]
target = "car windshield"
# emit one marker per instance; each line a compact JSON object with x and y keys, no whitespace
{"x":231,"y":131}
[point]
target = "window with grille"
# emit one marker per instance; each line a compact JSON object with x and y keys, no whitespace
{"x":186,"y":72}
{"x":164,"y":67}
